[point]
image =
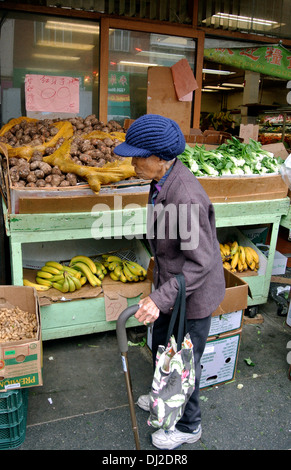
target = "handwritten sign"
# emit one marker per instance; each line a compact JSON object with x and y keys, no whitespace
{"x":49,"y":93}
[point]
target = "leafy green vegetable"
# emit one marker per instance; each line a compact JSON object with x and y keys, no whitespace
{"x":231,"y":158}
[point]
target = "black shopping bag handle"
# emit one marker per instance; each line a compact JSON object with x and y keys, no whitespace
{"x":179,"y":309}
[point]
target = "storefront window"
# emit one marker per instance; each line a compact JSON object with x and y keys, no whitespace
{"x":51,"y":49}
{"x":130,"y":55}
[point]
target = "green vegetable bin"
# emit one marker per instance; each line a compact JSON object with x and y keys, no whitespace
{"x":13,"y":416}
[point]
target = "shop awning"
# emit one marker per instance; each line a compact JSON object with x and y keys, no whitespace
{"x":274,"y":60}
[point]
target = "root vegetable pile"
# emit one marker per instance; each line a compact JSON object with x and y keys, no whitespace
{"x":86,"y":150}
{"x":17,"y":324}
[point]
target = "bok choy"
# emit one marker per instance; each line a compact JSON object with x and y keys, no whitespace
{"x":231,"y":158}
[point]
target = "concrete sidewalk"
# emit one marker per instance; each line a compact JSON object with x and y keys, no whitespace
{"x":83,"y":403}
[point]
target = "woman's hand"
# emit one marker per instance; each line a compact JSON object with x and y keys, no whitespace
{"x":148,"y":312}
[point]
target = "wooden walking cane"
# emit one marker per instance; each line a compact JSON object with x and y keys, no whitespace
{"x":123,"y":347}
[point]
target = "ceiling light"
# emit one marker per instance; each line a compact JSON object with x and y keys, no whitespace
{"x":137,"y":64}
{"x":78,"y":28}
{"x":245,"y":19}
{"x":66,"y":45}
{"x":55,"y":57}
{"x":217,"y":72}
{"x":161,"y":55}
{"x":218,"y":87}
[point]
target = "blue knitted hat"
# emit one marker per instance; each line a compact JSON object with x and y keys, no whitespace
{"x":152,"y":134}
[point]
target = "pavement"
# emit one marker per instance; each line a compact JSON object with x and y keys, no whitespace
{"x":83,"y":403}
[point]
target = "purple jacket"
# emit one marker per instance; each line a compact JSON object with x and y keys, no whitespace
{"x":182,"y":236}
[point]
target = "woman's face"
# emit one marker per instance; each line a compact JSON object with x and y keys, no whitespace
{"x":148,"y":168}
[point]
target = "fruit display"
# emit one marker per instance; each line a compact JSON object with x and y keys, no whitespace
{"x":220,"y":121}
{"x":83,"y":270}
{"x":124,"y":270}
{"x":237,"y":258}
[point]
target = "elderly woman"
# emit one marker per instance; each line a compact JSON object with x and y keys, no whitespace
{"x":182,"y":237}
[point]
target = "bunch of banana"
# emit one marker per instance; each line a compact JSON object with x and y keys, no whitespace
{"x":88,"y":269}
{"x":68,"y":282}
{"x":124,"y":270}
{"x":239,"y":258}
{"x":62,"y":278}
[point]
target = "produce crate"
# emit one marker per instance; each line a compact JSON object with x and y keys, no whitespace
{"x":13,"y":417}
{"x":218,"y":362}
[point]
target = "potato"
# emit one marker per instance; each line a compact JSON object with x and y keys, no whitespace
{"x":45,"y":167}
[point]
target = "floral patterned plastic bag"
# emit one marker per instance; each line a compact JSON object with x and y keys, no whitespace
{"x":173,"y":383}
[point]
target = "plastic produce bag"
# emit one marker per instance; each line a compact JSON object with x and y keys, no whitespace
{"x":95,"y":177}
{"x":285,"y":171}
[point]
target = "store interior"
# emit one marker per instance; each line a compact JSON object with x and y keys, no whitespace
{"x":54,"y":46}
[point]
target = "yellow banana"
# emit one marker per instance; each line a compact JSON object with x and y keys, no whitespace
{"x":113,"y":264}
{"x":240,"y":266}
{"x":99,"y":269}
{"x":72,"y":271}
{"x":54,"y":264}
{"x":86,"y":260}
{"x":43,"y":282}
{"x":111,"y":258}
{"x":122,"y":278}
{"x":252,"y":265}
{"x":117,"y":271}
{"x":92,"y":279}
{"x":72,"y":286}
{"x":66,"y":285}
{"x":83,"y":280}
{"x":128,"y":274}
{"x":77,"y":282}
{"x":234,"y":248}
{"x":249,"y":256}
{"x":222,"y":250}
{"x":113,"y":276}
{"x":59,"y":277}
{"x":226,"y":249}
{"x":254,"y":254}
{"x":38,"y":287}
{"x":58,"y":286}
{"x":234,"y":260}
{"x":51,"y":270}
{"x":136,"y":268}
{"x":227,"y":265}
{"x":44,"y":275}
{"x":242,"y":255}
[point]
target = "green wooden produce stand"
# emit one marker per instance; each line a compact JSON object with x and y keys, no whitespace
{"x":64,"y":319}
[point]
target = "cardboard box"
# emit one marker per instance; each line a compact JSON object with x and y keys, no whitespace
{"x":21,"y":361}
{"x":236,"y":294}
{"x":226,"y":323}
{"x":280,"y":261}
{"x":238,"y":188}
{"x":218,"y":362}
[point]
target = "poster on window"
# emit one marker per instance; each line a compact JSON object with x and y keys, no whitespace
{"x":55,"y":94}
{"x":118,"y":96}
